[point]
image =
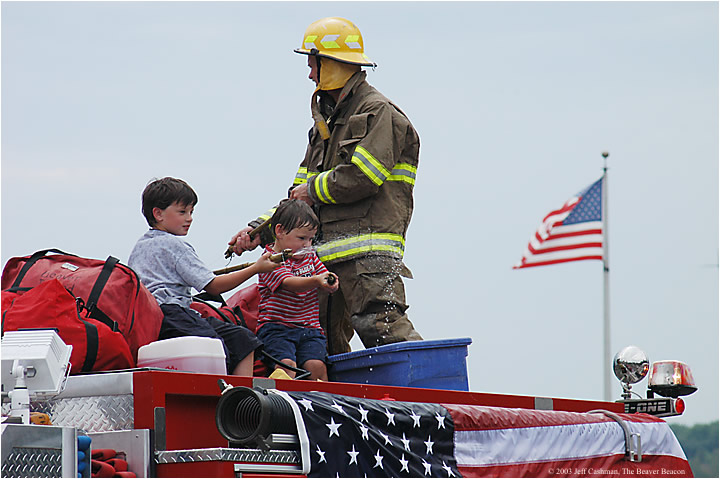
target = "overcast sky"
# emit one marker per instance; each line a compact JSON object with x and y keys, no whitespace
{"x":514,"y":103}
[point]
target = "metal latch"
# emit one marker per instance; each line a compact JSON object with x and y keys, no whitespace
{"x":633,"y":442}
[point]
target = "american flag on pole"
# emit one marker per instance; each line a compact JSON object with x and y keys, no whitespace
{"x":570,"y":233}
{"x":343,"y":436}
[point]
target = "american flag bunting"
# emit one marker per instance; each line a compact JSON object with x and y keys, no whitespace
{"x":344,"y":436}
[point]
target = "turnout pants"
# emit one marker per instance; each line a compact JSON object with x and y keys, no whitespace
{"x":370,"y":301}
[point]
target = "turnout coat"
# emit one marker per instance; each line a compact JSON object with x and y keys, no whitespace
{"x":361,"y":179}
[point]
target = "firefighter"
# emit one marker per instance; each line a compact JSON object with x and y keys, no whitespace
{"x":358,"y":174}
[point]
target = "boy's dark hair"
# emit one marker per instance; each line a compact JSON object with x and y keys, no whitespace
{"x":293,"y":214}
{"x":164,"y":192}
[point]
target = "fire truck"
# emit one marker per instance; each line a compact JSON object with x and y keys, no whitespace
{"x":399,"y":410}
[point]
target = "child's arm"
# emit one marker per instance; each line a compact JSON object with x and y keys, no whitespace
{"x":226,"y":282}
{"x":298,"y":284}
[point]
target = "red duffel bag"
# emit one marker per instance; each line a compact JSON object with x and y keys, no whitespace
{"x":241,"y":314}
{"x":50,"y":305}
{"x":248,"y":301}
{"x":112,"y":292}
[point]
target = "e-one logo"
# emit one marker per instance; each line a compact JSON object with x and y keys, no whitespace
{"x":650,"y":407}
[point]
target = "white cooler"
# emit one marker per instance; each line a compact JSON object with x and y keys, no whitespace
{"x":189,"y":353}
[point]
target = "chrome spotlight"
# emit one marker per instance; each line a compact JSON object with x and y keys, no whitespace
{"x":630,"y":366}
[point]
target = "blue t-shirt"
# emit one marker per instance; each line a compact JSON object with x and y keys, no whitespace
{"x":169,"y":267}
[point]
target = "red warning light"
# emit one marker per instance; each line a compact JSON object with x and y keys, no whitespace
{"x":679,"y":406}
{"x":671,"y":379}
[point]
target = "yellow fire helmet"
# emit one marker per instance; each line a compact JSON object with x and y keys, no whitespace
{"x":335,"y":38}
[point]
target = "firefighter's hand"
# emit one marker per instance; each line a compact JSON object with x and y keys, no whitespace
{"x":300,"y":192}
{"x":330,"y":282}
{"x":242,"y":242}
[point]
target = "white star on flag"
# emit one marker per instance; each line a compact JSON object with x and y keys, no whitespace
{"x":321,"y":453}
{"x":441,"y":420}
{"x":406,"y":442}
{"x":333,"y":426}
{"x":308,"y":405}
{"x":378,"y":460}
{"x":448,"y":469}
{"x":338,"y":407}
{"x":429,"y":445}
{"x":385,"y":436}
{"x":363,"y":413}
{"x":364,"y":431}
{"x":353,"y":455}
{"x":416,"y":419}
{"x":390,"y":416}
{"x":427,"y":467}
{"x":404,"y":463}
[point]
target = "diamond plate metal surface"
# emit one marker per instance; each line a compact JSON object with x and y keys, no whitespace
{"x":33,"y":462}
{"x":227,"y":454}
{"x":91,"y":414}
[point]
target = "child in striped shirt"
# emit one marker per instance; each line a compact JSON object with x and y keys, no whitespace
{"x":288,"y":322}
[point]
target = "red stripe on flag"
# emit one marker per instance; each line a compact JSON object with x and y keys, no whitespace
{"x":595,"y":231}
{"x":470,"y":417}
{"x":564,"y":248}
{"x":565,"y":260}
{"x":565,"y":208}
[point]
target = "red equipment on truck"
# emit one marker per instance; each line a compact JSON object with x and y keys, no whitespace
{"x":186,"y":424}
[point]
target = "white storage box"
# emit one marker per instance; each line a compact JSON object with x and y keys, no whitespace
{"x":189,"y":353}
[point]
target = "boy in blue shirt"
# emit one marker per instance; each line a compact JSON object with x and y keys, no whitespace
{"x":169,"y":267}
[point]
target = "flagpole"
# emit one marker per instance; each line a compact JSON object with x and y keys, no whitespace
{"x":606,"y":286}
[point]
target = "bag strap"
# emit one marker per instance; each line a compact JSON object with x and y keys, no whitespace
{"x":29,"y":264}
{"x":97,"y":289}
{"x":92,"y":338}
{"x":238,"y":312}
{"x":204,"y":297}
{"x":220,"y":313}
{"x":93,"y":342}
{"x":5,"y":312}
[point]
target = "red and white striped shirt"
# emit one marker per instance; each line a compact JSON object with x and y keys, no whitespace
{"x":277,"y":304}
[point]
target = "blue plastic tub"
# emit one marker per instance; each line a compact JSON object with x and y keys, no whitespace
{"x":434,"y":364}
